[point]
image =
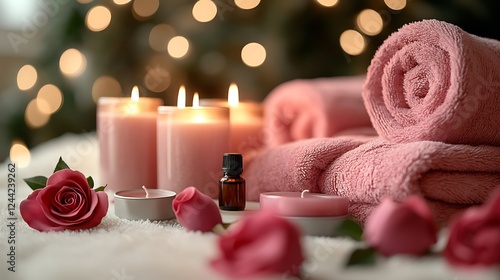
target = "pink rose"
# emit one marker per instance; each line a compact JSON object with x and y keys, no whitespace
{"x":401,"y":228}
{"x":258,"y":245}
{"x":196,"y":211}
{"x":66,"y":202}
{"x":474,"y":236}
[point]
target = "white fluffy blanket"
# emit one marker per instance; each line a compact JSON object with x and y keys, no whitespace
{"x":139,"y":250}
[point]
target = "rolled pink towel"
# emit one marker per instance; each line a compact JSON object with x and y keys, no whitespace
{"x":321,"y":107}
{"x":431,"y":80}
{"x":450,"y":177}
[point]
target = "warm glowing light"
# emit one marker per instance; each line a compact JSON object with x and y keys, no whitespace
{"x":233,"y":97}
{"x":246,"y":4}
{"x":370,"y":22}
{"x":395,"y":4}
{"x":204,"y":10}
{"x":178,"y":47}
{"x":121,"y":2}
{"x":33,"y":116}
{"x":181,"y":97}
{"x":20,"y":154}
{"x":134,"y":96}
{"x":26,"y":77}
{"x":328,"y":3}
{"x":196,"y":100}
{"x":98,"y":18}
{"x":84,"y":1}
{"x":72,"y":63}
{"x":159,"y":36}
{"x":145,"y":8}
{"x":49,"y":99}
{"x":253,"y":54}
{"x":105,"y":86}
{"x":352,"y":42}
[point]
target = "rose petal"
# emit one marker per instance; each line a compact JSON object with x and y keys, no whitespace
{"x":33,"y":215}
{"x":196,"y":211}
{"x":259,"y":245}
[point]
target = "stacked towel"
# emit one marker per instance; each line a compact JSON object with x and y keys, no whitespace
{"x":322,"y":107}
{"x":433,"y":81}
{"x":432,"y":93}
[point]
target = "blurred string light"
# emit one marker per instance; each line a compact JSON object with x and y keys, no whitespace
{"x":84,"y":1}
{"x":98,"y":18}
{"x":369,"y":22}
{"x":328,"y":3}
{"x":395,"y":5}
{"x":105,"y":86}
{"x":121,"y":2}
{"x":352,"y":42}
{"x":159,"y":36}
{"x":247,"y":4}
{"x":26,"y":77}
{"x":178,"y":47}
{"x":49,"y":99}
{"x":253,"y":54}
{"x":33,"y":117}
{"x":145,"y":8}
{"x":204,"y":10}
{"x":20,"y":154}
{"x":72,"y":63}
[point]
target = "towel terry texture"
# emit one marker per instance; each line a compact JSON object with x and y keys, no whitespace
{"x":432,"y":94}
{"x":367,"y":169}
{"x":321,"y":107}
{"x":431,"y":80}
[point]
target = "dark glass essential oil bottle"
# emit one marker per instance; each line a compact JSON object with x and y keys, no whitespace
{"x":232,"y":186}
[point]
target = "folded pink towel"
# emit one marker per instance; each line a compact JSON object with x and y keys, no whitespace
{"x":366,"y":169}
{"x":431,"y":80}
{"x":320,"y":107}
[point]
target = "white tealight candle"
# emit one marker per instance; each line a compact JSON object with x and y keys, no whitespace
{"x":145,"y":204}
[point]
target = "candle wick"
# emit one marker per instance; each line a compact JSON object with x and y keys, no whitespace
{"x":302,"y":193}
{"x":146,"y":190}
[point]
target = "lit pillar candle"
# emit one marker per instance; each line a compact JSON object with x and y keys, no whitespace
{"x":126,"y":129}
{"x":246,"y":121}
{"x":191,"y":142}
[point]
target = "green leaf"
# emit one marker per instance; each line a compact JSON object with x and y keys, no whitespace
{"x":60,"y":165}
{"x":101,"y":188}
{"x":90,"y":181}
{"x":37,"y":182}
{"x":349,"y":228}
{"x":365,"y":257}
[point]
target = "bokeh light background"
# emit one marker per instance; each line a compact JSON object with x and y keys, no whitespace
{"x":60,"y":56}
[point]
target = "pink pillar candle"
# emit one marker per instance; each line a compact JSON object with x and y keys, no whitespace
{"x":246,"y":120}
{"x":127,"y":140}
{"x":191,"y":143}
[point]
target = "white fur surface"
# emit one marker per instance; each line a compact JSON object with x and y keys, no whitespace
{"x":140,"y":250}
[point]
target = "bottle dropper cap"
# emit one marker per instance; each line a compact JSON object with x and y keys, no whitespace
{"x":232,"y":163}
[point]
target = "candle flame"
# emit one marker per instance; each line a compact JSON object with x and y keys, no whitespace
{"x":233,"y":96}
{"x":196,"y":100}
{"x":146,"y":191}
{"x":181,"y":97}
{"x":303,"y":192}
{"x":134,"y":96}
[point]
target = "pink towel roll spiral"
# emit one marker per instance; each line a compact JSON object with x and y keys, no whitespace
{"x":431,"y":80}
